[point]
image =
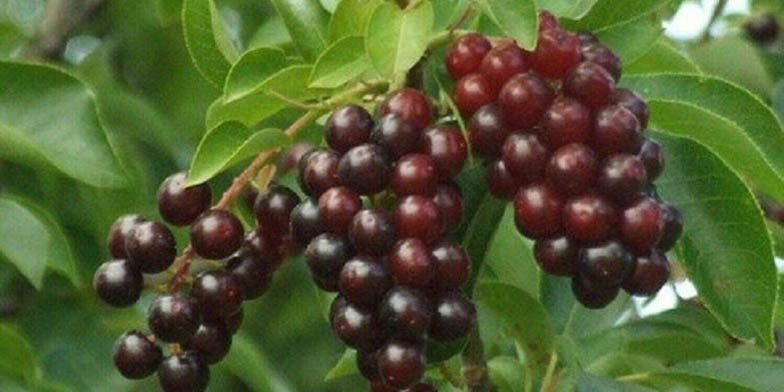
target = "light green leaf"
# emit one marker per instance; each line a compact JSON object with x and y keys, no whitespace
{"x":726,"y":249}
{"x":253,"y":68}
{"x":396,"y":39}
{"x":730,"y":374}
{"x":730,"y":121}
{"x":517,"y":18}
{"x":230,"y":143}
{"x":632,"y":39}
{"x":507,"y":373}
{"x":446,"y":12}
{"x":248,"y":363}
{"x":351,"y":18}
{"x":736,"y":59}
{"x":662,"y":57}
{"x":24,"y":240}
{"x":18,"y":360}
{"x":306,"y":22}
{"x":48,"y":118}
{"x":606,"y":14}
{"x":590,"y":383}
{"x":346,"y":366}
{"x":205,"y":38}
{"x":342,"y":62}
{"x":510,"y":256}
{"x":572,"y":9}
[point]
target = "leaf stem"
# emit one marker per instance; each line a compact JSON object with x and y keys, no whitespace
{"x":634,"y":377}
{"x":550,"y":381}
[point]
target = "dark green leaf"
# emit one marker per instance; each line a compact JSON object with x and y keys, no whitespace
{"x":18,"y":359}
{"x":507,"y":373}
{"x":351,"y":18}
{"x":591,"y":383}
{"x":510,"y":256}
{"x":248,"y":363}
{"x":342,"y":62}
{"x":205,"y":37}
{"x":480,"y":229}
{"x":517,"y":18}
{"x":307,"y":22}
{"x":396,"y":39}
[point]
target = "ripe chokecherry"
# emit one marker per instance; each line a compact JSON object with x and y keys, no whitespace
{"x":411,"y":104}
{"x":524,"y":156}
{"x":606,"y":264}
{"x":173,"y":318}
{"x":151,"y":246}
{"x":401,"y":364}
{"x":217,"y":294}
{"x":503,"y":62}
{"x":501,"y":182}
{"x":211,"y":341}
{"x":353,"y":325}
{"x":572,"y":169}
{"x":326,"y":254}
{"x":136,"y":356}
{"x":184,"y":372}
{"x":472,"y":92}
{"x":453,"y":316}
{"x":487,"y":130}
{"x":622,"y":177}
{"x":616,"y":130}
{"x":119,"y":232}
{"x":651,"y":272}
{"x":414,"y":174}
{"x":337,"y":207}
{"x":604,"y":56}
{"x":348,"y":127}
{"x":642,"y":224}
{"x":453,"y":267}
{"x":566,"y":121}
{"x":466,"y":55}
{"x":538,"y":210}
{"x":449,"y":201}
{"x":447,"y":147}
{"x":405,"y":312}
{"x":634,"y":102}
{"x":591,"y":84}
{"x":216,"y":234}
{"x":318,"y":171}
{"x":592,"y":295}
{"x":306,"y":222}
{"x":418,"y":216}
{"x":396,"y":135}
{"x":556,"y":255}
{"x":524,"y":100}
{"x":251,"y":273}
{"x":557,"y":52}
{"x":181,"y":205}
{"x":652,"y":156}
{"x":372,"y":232}
{"x":273,"y":209}
{"x":411,"y":265}
{"x":673,"y":227}
{"x":364,"y":281}
{"x":118,"y":283}
{"x":589,"y":218}
{"x":365,"y":169}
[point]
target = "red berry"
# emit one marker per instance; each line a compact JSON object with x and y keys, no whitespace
{"x":591,"y":295}
{"x":118,"y":283}
{"x":402,"y":364}
{"x":503,"y":62}
{"x":418,"y":217}
{"x":405,"y":312}
{"x":622,"y":177}
{"x":472,"y":92}
{"x":652,"y":155}
{"x":487,"y":130}
{"x":184,"y":372}
{"x":449,"y":201}
{"x":591,"y":84}
{"x":589,"y":218}
{"x":466,"y":54}
{"x":216,"y":234}
{"x":634,"y":102}
{"x":500,"y":181}
{"x":415,"y":174}
{"x":651,"y":273}
{"x":572,"y":169}
{"x":372,"y":232}
{"x":557,"y":52}
{"x":217,"y":294}
{"x":136,"y":356}
{"x":173,"y":318}
{"x":211,"y":341}
{"x":524,"y":156}
{"x":446,"y":145}
{"x":396,"y":135}
{"x":524,"y":100}
{"x":453,"y":316}
{"x":602,"y":55}
{"x":673,"y":227}
{"x":180,"y":205}
{"x":557,"y":255}
{"x":364,"y":281}
{"x":547,"y":21}
{"x":566,"y":121}
{"x":642,"y":224}
{"x":538,"y":211}
{"x":119,"y":232}
{"x":411,"y":265}
{"x":354,"y":326}
{"x":605,"y":265}
{"x":337,"y":207}
{"x":151,"y":246}
{"x":319,"y":171}
{"x":273,"y":209}
{"x":365,"y":169}
{"x":367,"y":363}
{"x":616,"y":130}
{"x":348,"y":127}
{"x":453,"y":267}
{"x":411,"y":104}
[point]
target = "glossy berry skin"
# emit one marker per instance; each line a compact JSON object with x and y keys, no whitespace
{"x":252,"y":274}
{"x":234,"y":322}
{"x":365,"y":169}
{"x":119,"y":232}
{"x":118,"y":283}
{"x":673,"y":227}
{"x":411,"y":265}
{"x":591,"y":84}
{"x":566,"y":121}
{"x":453,"y":316}
{"x":634,"y":102}
{"x":557,"y":52}
{"x":589,"y":218}
{"x":135,"y":356}
{"x":622,"y":177}
{"x":396,"y":135}
{"x":487,"y":130}
{"x":411,"y":104}
{"x":319,"y":171}
{"x":606,"y":264}
{"x":217,"y":294}
{"x":211,"y":341}
{"x":372,"y":232}
{"x":337,"y":207}
{"x":763,"y":28}
{"x":405,"y":313}
{"x":173,"y":318}
{"x":591,"y":295}
{"x":305,"y":222}
{"x":449,"y":201}
{"x":538,"y":211}
{"x":367,"y":364}
{"x":185,"y":372}
{"x":151,"y":246}
{"x":524,"y":100}
{"x":652,"y":156}
{"x":418,"y":216}
{"x":273,"y":209}
{"x":616,"y":130}
{"x":216,"y":234}
{"x":181,"y":205}
{"x":500,"y":181}
{"x":556,"y":255}
{"x":606,"y":58}
{"x":326,"y":254}
{"x":414,"y":174}
{"x":447,"y":147}
{"x":524,"y":156}
{"x":364,"y":281}
{"x":401,"y":364}
{"x":642,"y":224}
{"x":328,"y":283}
{"x":466,"y":55}
{"x":503,"y":62}
{"x":379,"y":386}
{"x":572,"y":169}
{"x":263,"y":247}
{"x":453,"y":267}
{"x":650,"y":274}
{"x":289,"y":161}
{"x":353,"y":325}
{"x":472,"y":92}
{"x":348,"y":127}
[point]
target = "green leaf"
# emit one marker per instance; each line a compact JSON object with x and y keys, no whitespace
{"x":254,"y":67}
{"x":522,"y":319}
{"x":736,"y":59}
{"x":662,"y":57}
{"x":726,"y":249}
{"x":230,"y":143}
{"x":632,"y":39}
{"x":48,"y":118}
{"x":729,"y":120}
{"x":605,"y":14}
{"x":248,"y":363}
{"x":731,"y":374}
{"x":446,"y":12}
{"x":572,"y":9}
{"x":517,"y":18}
{"x":205,"y":38}
{"x":342,"y":62}
{"x":510,"y":256}
{"x":18,"y":360}
{"x":479,"y":230}
{"x":396,"y":39}
{"x":346,"y":366}
{"x":507,"y":373}
{"x":306,"y":22}
{"x":590,"y":383}
{"x":351,"y":18}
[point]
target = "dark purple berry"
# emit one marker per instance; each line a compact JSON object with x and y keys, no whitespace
{"x":616,"y":130}
{"x":367,"y":363}
{"x":604,"y":56}
{"x":557,"y":255}
{"x":411,"y":265}
{"x":642,"y":224}
{"x":411,"y":104}
{"x":216,"y":234}
{"x":453,"y":316}
{"x":622,"y":177}
{"x":524,"y":100}
{"x":557,"y":52}
{"x":211,"y":341}
{"x":181,"y":205}
{"x":453,"y":267}
{"x":401,"y":364}
{"x":251,"y":273}
{"x":566,"y":121}
{"x":606,"y":264}
{"x":118,"y":283}
{"x":524,"y":156}
{"x":651,"y":273}
{"x":151,"y":246}
{"x":372,"y":232}
{"x":466,"y":54}
{"x":487,"y":130}
{"x":217,"y":294}
{"x":501,"y":182}
{"x":418,"y":217}
{"x":306,"y":222}
{"x":348,"y":127}
{"x":233,"y":322}
{"x":652,"y":156}
{"x":591,"y":84}
{"x":572,"y":169}
{"x":589,"y":218}
{"x":502,"y":63}
{"x":319,"y":171}
{"x":273,"y":209}
{"x":136,"y":356}
{"x":365,"y":169}
{"x":405,"y":313}
{"x":472,"y":92}
{"x":673,"y":227}
{"x":185,"y":372}
{"x":353,"y":325}
{"x":447,"y":147}
{"x":364,"y":281}
{"x":173,"y":318}
{"x":414,"y":174}
{"x":326,"y":254}
{"x":634,"y":102}
{"x":591,"y":295}
{"x":337,"y":208}
{"x":121,"y":229}
{"x":538,"y":211}
{"x":763,"y":28}
{"x":396,"y":135}
{"x":449,"y":200}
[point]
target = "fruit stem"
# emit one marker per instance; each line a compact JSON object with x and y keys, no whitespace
{"x":550,"y":381}
{"x":474,"y":366}
{"x":634,"y":377}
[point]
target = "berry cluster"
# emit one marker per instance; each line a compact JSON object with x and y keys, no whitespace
{"x":199,"y":324}
{"x":569,"y":149}
{"x":397,"y":275}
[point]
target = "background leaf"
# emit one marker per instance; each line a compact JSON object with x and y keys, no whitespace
{"x":396,"y":39}
{"x":340,"y":63}
{"x":306,"y":22}
{"x":351,"y":18}
{"x":200,"y":20}
{"x":255,"y":66}
{"x":517,"y":18}
{"x":18,"y":360}
{"x":662,"y":57}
